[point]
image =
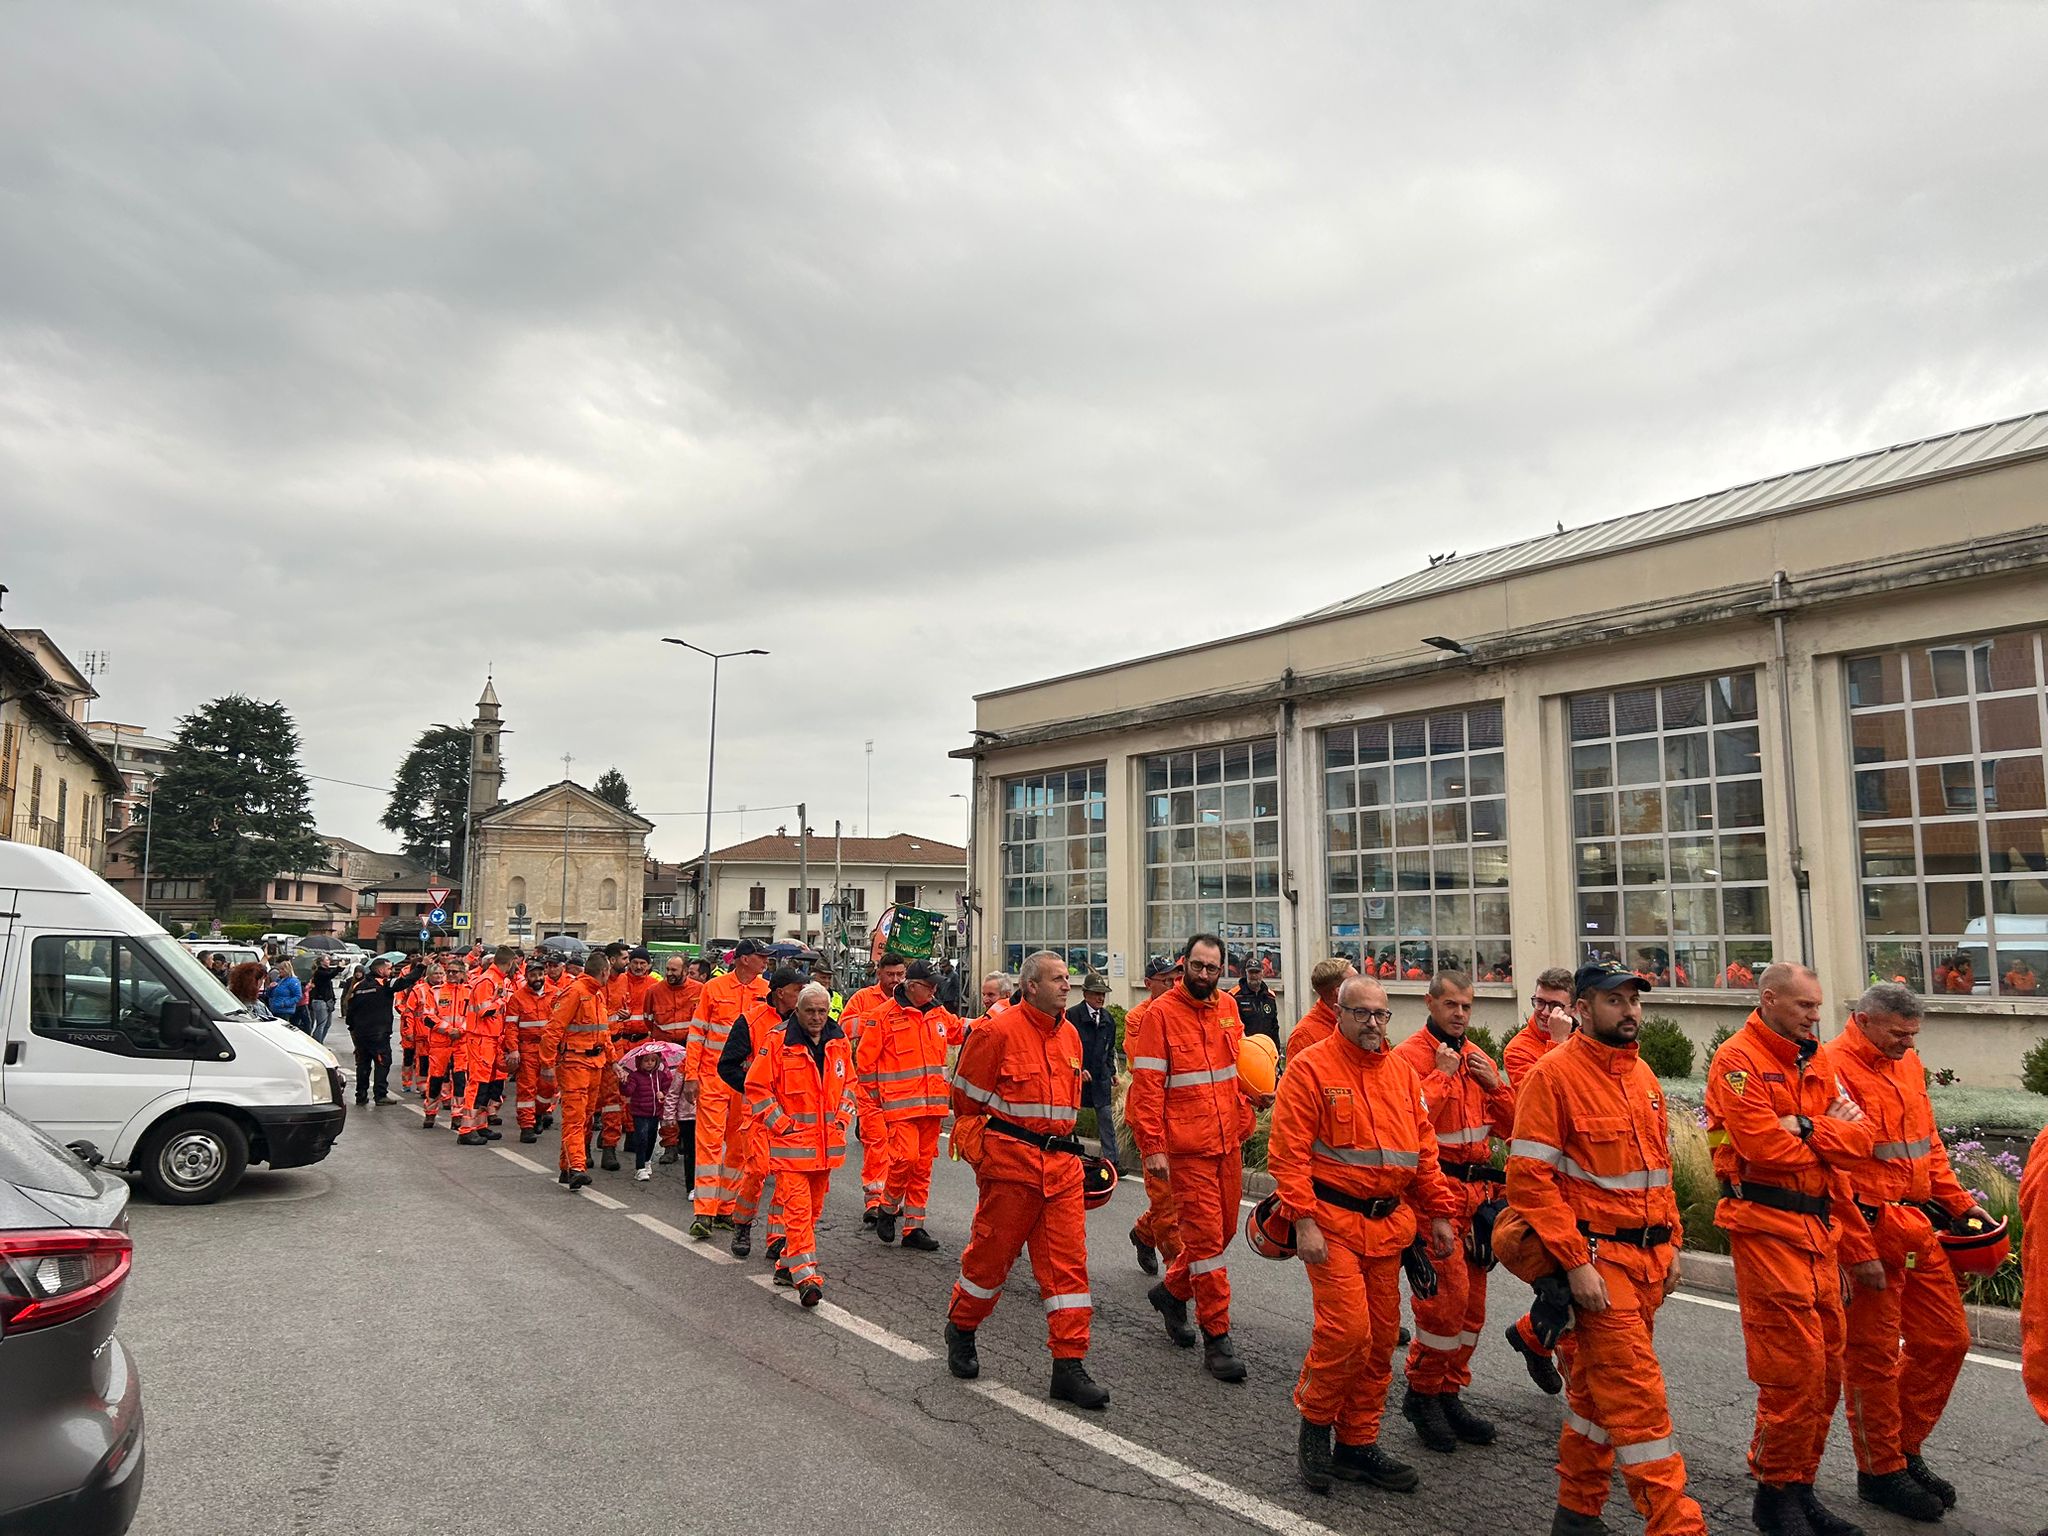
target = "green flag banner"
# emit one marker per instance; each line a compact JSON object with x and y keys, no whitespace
{"x":912,"y":933}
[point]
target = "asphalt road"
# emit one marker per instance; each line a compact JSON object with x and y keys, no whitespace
{"x":420,"y":1336}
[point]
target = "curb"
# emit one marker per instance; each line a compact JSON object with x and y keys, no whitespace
{"x":1991,"y":1327}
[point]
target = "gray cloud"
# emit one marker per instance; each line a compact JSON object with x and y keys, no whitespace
{"x":347,"y":349}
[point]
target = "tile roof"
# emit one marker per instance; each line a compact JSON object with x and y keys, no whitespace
{"x":900,"y":848}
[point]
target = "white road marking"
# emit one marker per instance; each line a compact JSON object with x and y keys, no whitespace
{"x":1705,"y":1301}
{"x":2003,"y":1365}
{"x":604,"y":1200}
{"x":524,"y":1162}
{"x":1245,"y":1506}
{"x":682,"y":1239}
{"x":839,"y":1317}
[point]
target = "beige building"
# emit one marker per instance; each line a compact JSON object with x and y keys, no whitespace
{"x":55,"y":780}
{"x":1803,"y":717}
{"x":755,"y":890}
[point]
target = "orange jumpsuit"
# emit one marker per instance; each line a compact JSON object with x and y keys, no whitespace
{"x":1896,"y":1398}
{"x":484,"y":1047}
{"x":526,"y":1020}
{"x":1158,"y":1225}
{"x":1786,"y":1280}
{"x":1312,"y":1028}
{"x":1590,"y":1170}
{"x":901,"y":1087}
{"x":1025,"y":1067}
{"x":577,"y":1044}
{"x":874,"y":1134}
{"x":1448,"y":1324}
{"x":669,"y":1010}
{"x":1184,"y":1101}
{"x":444,"y":1020}
{"x":626,"y":996}
{"x":1350,"y":1126}
{"x":409,"y":1005}
{"x":2034,"y":1271}
{"x":723,"y":1000}
{"x":800,"y":1095}
{"x":745,"y":1148}
{"x":1531,"y":1043}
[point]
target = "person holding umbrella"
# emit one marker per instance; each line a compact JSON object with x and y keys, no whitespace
{"x":647,"y":1080}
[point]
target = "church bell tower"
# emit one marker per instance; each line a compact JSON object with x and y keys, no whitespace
{"x":486,"y":766}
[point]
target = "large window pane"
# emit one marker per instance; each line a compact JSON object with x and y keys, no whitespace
{"x":1225,"y":851}
{"x":1063,"y":890}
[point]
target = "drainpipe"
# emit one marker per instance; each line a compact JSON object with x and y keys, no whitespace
{"x":1782,"y":670}
{"x":1288,"y":889}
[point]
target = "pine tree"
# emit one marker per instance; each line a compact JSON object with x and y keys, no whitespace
{"x":233,"y":807}
{"x":429,"y":806}
{"x":611,"y":788}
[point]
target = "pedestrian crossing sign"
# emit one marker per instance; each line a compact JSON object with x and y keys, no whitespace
{"x":461,"y":920}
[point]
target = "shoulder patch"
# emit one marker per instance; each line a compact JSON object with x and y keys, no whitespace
{"x":1738,"y":1082}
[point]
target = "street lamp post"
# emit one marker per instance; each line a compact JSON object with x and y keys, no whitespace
{"x":710,"y":771}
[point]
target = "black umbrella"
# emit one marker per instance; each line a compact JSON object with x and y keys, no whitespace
{"x":566,"y":945}
{"x":321,"y":941}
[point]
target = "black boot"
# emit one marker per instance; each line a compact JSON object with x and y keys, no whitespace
{"x":743,"y":1239}
{"x":1569,"y":1522}
{"x":885,"y":1226}
{"x":961,"y":1359}
{"x":1465,"y":1424}
{"x":773,"y":1252}
{"x":784,"y":1278}
{"x":529,"y":1134}
{"x":670,"y":1155}
{"x":1175,"y":1311}
{"x":1426,"y":1413}
{"x":1312,"y":1456}
{"x":472,"y":1139}
{"x":810,"y":1293}
{"x":1542,"y":1371}
{"x":1219,"y":1358}
{"x":1899,"y":1493}
{"x":1822,"y":1520}
{"x":1940,"y":1487}
{"x":547,"y":1122}
{"x":1071,"y":1383}
{"x":1776,"y":1511}
{"x":611,"y":1159}
{"x":562,"y":1177}
{"x":921,"y":1240}
{"x":579,"y":1179}
{"x":1370,"y":1464}
{"x":867,"y":1217}
{"x":1148,"y":1260}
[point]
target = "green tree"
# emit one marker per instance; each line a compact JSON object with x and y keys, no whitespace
{"x":233,"y":807}
{"x":429,"y":807}
{"x":611,"y":788}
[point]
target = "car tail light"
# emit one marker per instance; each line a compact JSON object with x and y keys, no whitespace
{"x":50,"y":1277}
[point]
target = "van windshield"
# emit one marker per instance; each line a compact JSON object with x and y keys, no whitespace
{"x":199,"y":983}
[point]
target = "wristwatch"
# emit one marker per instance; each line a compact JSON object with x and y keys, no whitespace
{"x":1805,"y":1127}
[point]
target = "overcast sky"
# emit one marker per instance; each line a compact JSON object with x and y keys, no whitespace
{"x":349,"y":349}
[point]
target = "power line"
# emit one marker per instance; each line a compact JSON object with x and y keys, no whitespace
{"x":385,"y":789}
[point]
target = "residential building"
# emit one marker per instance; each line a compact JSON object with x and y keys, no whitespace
{"x":323,"y":897}
{"x":141,"y":759}
{"x":1802,"y":718}
{"x":755,"y":892}
{"x":55,"y":781}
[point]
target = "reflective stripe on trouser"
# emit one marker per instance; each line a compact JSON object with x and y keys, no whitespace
{"x":1617,"y":1412}
{"x":1159,"y":1224}
{"x":716,"y":1181}
{"x":874,"y":1159}
{"x":1896,"y":1396}
{"x":1350,"y":1359}
{"x":579,"y":1080}
{"x":533,"y":1090}
{"x":486,"y":1065}
{"x":611,"y":1108}
{"x":1448,"y":1324}
{"x":1007,"y":1218}
{"x":1207,"y":1190}
{"x":800,"y":1196}
{"x":913,"y":1144}
{"x":760,"y":1182}
{"x":1792,"y":1334}
{"x":443,"y":1054}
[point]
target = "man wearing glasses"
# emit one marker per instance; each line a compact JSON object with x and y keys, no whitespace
{"x":1551,"y":1022}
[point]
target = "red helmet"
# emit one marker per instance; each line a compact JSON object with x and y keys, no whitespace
{"x":1976,"y":1247}
{"x":1098,"y":1181}
{"x":1270,"y":1234}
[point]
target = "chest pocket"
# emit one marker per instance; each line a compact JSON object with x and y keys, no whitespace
{"x":1340,"y":1117}
{"x":1608,"y":1142}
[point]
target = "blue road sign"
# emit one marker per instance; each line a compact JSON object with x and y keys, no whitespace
{"x":438,"y":916}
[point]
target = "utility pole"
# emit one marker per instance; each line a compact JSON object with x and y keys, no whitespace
{"x":710,"y":774}
{"x":803,"y":875}
{"x":563,"y":920}
{"x":870,"y":822}
{"x":148,"y":831}
{"x":839,"y":902}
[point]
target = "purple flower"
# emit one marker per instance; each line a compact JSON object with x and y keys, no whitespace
{"x":1966,"y":1148}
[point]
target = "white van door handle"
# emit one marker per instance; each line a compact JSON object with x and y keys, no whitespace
{"x":13,"y":1052}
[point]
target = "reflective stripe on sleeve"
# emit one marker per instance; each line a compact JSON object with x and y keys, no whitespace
{"x":1901,"y":1151}
{"x":1464,"y":1138}
{"x":1366,"y":1157}
{"x":1541,"y":1151}
{"x":1197,"y":1079}
{"x":1148,"y":1063}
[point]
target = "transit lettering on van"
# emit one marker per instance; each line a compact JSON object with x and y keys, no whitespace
{"x":113,"y":1032}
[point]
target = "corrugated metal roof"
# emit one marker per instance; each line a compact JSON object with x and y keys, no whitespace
{"x":1974,"y":447}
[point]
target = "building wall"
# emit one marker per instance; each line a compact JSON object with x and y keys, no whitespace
{"x":1851,"y":595}
{"x":600,"y":849}
{"x":938,"y":890}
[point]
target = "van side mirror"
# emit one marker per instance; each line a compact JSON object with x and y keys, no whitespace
{"x":180,"y":1022}
{"x":85,"y":1152}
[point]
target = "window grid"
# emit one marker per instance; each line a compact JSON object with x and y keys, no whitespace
{"x":1056,"y":867}
{"x":1212,"y":851}
{"x":1952,"y":814}
{"x":1415,"y":845}
{"x":1670,"y":842}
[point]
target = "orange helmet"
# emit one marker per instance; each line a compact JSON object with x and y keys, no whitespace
{"x":1258,"y":1062}
{"x":1098,"y":1181}
{"x":1976,"y":1247}
{"x":1270,"y":1234}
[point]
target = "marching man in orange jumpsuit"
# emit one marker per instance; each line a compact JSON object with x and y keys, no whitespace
{"x":526,"y":1020}
{"x":902,"y":1088}
{"x":671,"y":1002}
{"x":1320,"y":1022}
{"x":1780,"y":1128}
{"x":1903,"y":1282}
{"x":800,"y":1093}
{"x":445,"y":1019}
{"x":1022,"y":1070}
{"x":756,"y":1030}
{"x":1551,"y":1022}
{"x":1589,"y":1169}
{"x":577,"y":1046}
{"x":626,"y":997}
{"x":1156,"y":1232}
{"x":484,"y":1050}
{"x":723,"y":1000}
{"x":1353,"y":1158}
{"x":874,"y":1132}
{"x":1191,"y":1121}
{"x":1469,"y":1102}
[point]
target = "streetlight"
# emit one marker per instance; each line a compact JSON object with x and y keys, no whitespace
{"x":710,"y":770}
{"x":966,"y":888}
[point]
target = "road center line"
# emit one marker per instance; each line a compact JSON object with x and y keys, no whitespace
{"x":604,"y":1200}
{"x":860,"y":1327}
{"x":1705,"y":1301}
{"x":2003,"y":1365}
{"x":524,"y":1162}
{"x":681,"y":1239}
{"x":1174,"y":1474}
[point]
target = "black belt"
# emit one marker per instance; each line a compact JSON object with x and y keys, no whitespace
{"x":586,"y":1055}
{"x":1770,"y":1195}
{"x":1473,"y":1173}
{"x":1630,"y":1237}
{"x":1375,"y":1209}
{"x":1938,"y":1217}
{"x":1038,"y":1139}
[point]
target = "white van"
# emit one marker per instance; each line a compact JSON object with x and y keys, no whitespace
{"x":2022,"y":937}
{"x":112,"y":1032}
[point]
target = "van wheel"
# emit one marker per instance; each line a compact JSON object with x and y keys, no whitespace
{"x":193,"y":1159}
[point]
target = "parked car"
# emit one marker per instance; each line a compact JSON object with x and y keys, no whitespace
{"x":71,"y":1414}
{"x":112,"y":1032}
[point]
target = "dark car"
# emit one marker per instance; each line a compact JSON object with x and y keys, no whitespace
{"x":71,"y":1410}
